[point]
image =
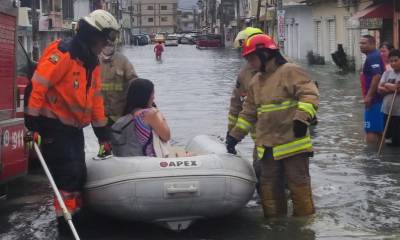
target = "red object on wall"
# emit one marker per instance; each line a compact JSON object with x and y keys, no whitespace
{"x":7,"y":61}
{"x":13,"y":154}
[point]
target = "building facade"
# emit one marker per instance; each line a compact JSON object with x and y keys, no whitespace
{"x":298,"y":40}
{"x":186,"y":20}
{"x":345,"y":21}
{"x":154,"y":16}
{"x":55,"y":21}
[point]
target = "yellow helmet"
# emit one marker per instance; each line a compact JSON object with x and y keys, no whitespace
{"x":244,"y":35}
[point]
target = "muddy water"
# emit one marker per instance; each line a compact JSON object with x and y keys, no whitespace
{"x":357,"y":194}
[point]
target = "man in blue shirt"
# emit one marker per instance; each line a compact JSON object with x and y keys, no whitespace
{"x":372,"y":70}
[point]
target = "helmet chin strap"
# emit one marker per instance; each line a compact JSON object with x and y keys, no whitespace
{"x":264,"y":58}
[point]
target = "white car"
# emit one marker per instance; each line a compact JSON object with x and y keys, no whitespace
{"x":171,"y":40}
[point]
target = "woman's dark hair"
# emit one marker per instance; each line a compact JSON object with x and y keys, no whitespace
{"x":394,"y":53}
{"x":139,"y":93}
{"x":388,"y":45}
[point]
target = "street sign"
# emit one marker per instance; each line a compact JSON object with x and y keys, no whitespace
{"x":280,"y":14}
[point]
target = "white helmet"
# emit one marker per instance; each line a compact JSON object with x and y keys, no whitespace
{"x":104,"y":22}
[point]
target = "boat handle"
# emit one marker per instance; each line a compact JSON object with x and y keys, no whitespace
{"x":174,"y":190}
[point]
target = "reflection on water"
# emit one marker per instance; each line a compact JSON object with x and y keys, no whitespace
{"x":356,"y":193}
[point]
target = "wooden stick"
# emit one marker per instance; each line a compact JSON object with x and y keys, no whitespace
{"x":387,"y":123}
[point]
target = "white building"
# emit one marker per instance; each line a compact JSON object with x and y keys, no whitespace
{"x":186,"y":20}
{"x":298,"y":37}
{"x":153,"y":16}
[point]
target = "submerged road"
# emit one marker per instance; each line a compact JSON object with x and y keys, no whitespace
{"x":357,"y":193}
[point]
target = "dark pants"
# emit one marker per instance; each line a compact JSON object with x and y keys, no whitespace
{"x":64,"y":153}
{"x":393,"y":130}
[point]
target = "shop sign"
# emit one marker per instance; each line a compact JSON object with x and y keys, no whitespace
{"x":281,"y":24}
{"x":371,"y":23}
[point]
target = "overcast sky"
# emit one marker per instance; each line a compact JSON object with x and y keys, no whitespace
{"x":187,"y":4}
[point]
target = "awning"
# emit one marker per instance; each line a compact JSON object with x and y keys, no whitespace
{"x":384,"y":11}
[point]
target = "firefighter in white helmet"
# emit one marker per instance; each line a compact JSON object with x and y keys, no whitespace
{"x":65,"y":97}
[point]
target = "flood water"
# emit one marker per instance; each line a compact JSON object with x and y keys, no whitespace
{"x":356,"y":193}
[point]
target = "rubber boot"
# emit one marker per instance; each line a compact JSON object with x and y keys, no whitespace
{"x":63,"y":228}
{"x":303,"y":204}
{"x":273,"y":201}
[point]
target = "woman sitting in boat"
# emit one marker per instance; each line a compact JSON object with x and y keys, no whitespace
{"x":142,"y":125}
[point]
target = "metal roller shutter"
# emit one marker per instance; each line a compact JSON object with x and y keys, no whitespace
{"x":318,"y":37}
{"x":332,"y":35}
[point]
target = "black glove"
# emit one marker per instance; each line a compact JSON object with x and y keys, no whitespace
{"x":103,"y":134}
{"x":231,"y":142}
{"x":32,"y":123}
{"x":299,"y":129}
{"x":31,"y":138}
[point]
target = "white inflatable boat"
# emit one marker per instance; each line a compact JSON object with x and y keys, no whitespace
{"x":172,"y":192}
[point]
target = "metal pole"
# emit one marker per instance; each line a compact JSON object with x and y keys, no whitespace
{"x":281,"y":41}
{"x":66,"y":213}
{"x":206,"y":12}
{"x":258,"y":12}
{"x":238,"y":16}
{"x":265,"y":26}
{"x":35,"y":32}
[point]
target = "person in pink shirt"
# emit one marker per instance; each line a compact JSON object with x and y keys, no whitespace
{"x":158,"y":49}
{"x":385,"y":49}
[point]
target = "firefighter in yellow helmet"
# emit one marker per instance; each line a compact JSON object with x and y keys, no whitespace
{"x":239,"y":92}
{"x":281,"y":101}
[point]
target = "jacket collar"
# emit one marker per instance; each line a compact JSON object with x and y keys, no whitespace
{"x":81,"y":51}
{"x":271,"y":66}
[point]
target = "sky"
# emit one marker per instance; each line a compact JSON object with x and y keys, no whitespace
{"x":187,"y":4}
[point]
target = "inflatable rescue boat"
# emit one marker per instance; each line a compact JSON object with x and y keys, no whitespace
{"x":172,"y":192}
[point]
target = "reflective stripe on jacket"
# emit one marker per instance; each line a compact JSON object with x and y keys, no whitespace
{"x":275,"y":99}
{"x":61,"y":90}
{"x":239,"y":94}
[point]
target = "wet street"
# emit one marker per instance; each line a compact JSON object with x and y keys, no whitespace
{"x":356,"y":193}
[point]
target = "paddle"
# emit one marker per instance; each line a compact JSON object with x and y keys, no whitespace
{"x":66,"y":214}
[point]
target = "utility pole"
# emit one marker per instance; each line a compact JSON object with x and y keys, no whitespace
{"x":35,"y":32}
{"x":238,"y":15}
{"x":258,"y":12}
{"x":265,"y":15}
{"x":140,"y":16}
{"x":213,"y":12}
{"x":281,"y":25}
{"x":206,"y":12}
{"x":221,"y":23}
{"x":194,"y":19}
{"x":131,"y":22}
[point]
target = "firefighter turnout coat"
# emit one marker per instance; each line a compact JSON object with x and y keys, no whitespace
{"x":274,"y":100}
{"x":62,"y":89}
{"x":117,"y":73}
{"x":239,"y":94}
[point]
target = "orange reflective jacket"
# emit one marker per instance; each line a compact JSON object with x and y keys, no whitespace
{"x":60,"y":90}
